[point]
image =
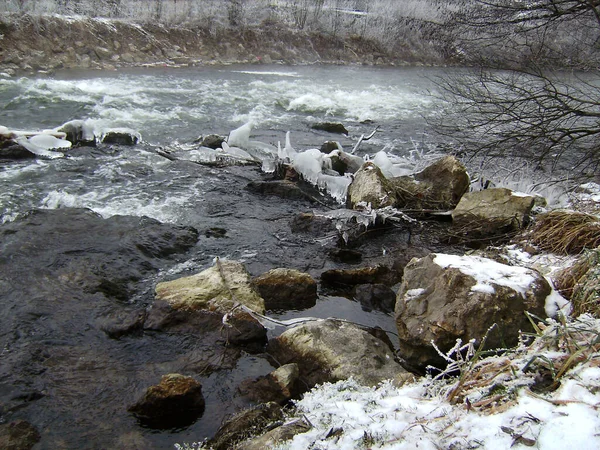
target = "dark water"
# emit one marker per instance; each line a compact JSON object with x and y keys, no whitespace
{"x":67,"y":275}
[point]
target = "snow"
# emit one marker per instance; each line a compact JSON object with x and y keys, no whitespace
{"x":520,"y":194}
{"x":488,"y":272}
{"x":418,"y":415}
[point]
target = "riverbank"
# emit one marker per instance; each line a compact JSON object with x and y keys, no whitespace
{"x":48,"y":43}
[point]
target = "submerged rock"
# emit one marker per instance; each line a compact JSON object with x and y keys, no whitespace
{"x":240,"y":329}
{"x":379,"y":274}
{"x":375,"y":296}
{"x":330,"y":127}
{"x":18,"y":435}
{"x":176,"y":401}
{"x":216,"y":289}
{"x":279,"y":188}
{"x":332,"y":350}
{"x":445,"y":297}
{"x":492,"y":212}
{"x":285,"y":289}
{"x":279,"y":386}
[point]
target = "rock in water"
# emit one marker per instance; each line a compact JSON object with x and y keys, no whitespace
{"x":330,"y":127}
{"x":445,"y":297}
{"x":492,"y":212}
{"x":279,"y":386}
{"x":216,"y":289}
{"x":176,"y":401}
{"x":79,"y":133}
{"x":250,"y":422}
{"x":285,"y":289}
{"x":370,"y":187}
{"x":18,"y":435}
{"x":439,"y":186}
{"x":121,"y":137}
{"x":331,"y":350}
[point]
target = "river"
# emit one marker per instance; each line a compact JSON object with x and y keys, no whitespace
{"x":60,"y":371}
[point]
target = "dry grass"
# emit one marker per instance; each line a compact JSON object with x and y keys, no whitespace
{"x":585,"y":293}
{"x":566,"y":232}
{"x":490,"y":383}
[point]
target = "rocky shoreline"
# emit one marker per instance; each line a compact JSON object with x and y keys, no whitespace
{"x":48,"y":43}
{"x":442,"y":297}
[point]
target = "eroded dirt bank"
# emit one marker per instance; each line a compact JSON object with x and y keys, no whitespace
{"x":30,"y":44}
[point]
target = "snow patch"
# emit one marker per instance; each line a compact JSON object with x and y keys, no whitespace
{"x":488,"y":272}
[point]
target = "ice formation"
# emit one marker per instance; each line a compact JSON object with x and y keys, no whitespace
{"x":42,"y":144}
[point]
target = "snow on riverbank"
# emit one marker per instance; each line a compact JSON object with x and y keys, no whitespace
{"x":346,"y":415}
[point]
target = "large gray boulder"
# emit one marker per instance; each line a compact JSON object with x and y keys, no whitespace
{"x":370,"y":187}
{"x":218,"y":289}
{"x":439,"y":186}
{"x":332,"y":350}
{"x":492,"y":211}
{"x":443,"y":298}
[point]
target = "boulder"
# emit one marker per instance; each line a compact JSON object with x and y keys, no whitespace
{"x":286,"y":289}
{"x":279,"y":386}
{"x":251,"y":422}
{"x":443,"y":298}
{"x":9,"y":149}
{"x":331,"y":350}
{"x":379,"y":274}
{"x":492,"y":211}
{"x":240,"y":329}
{"x":79,"y":133}
{"x":330,"y":127}
{"x":213,"y":141}
{"x":370,"y":187}
{"x":176,"y":401}
{"x":439,"y":186}
{"x":121,"y":137}
{"x":329,"y":146}
{"x":208,"y":290}
{"x":18,"y":435}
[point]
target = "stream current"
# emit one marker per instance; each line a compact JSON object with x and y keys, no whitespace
{"x":58,"y":367}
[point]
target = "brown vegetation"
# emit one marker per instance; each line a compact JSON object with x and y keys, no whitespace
{"x":566,"y":232}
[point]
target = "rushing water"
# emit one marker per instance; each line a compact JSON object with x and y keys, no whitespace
{"x":176,"y":106}
{"x":170,"y":108}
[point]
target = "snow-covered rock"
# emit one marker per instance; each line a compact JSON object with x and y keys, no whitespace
{"x":445,"y":297}
{"x":79,"y":132}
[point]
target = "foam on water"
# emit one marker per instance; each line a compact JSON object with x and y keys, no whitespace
{"x":164,"y":105}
